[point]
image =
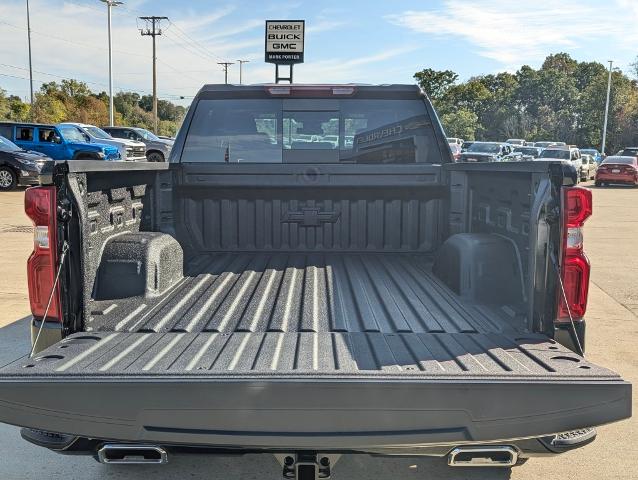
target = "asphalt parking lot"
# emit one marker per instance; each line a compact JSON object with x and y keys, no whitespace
{"x":610,"y":242}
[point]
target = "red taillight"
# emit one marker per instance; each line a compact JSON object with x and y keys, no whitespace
{"x":40,"y":207}
{"x":577,"y":208}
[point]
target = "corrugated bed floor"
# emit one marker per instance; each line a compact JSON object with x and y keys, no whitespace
{"x":281,"y":292}
{"x":298,"y":315}
{"x":303,"y":354}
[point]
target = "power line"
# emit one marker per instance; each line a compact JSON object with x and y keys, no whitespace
{"x":83,"y":45}
{"x":196,"y":43}
{"x":65,"y":77}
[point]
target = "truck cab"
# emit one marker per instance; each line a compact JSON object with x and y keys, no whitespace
{"x":58,"y":142}
{"x":130,"y":150}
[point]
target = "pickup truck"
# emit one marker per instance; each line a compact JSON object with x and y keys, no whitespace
{"x":157,"y":149}
{"x":57,"y":142}
{"x":270,"y":290}
{"x":130,"y":150}
{"x":490,"y":152}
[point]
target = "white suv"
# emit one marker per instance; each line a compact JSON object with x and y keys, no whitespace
{"x":131,"y":150}
{"x":564,"y":154}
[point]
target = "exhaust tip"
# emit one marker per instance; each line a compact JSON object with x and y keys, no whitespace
{"x":133,"y":454}
{"x":497,"y":456}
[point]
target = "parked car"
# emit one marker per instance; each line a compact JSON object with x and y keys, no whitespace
{"x":516,"y":141}
{"x":59,"y":143}
{"x":18,"y":166}
{"x":458,"y":141}
{"x":130,"y":150}
{"x":545,"y":144}
{"x":618,"y":170}
{"x":528,"y":153}
{"x":529,"y":144}
{"x":262,"y":296}
{"x":564,"y":154}
{"x":593,"y":152}
{"x":490,"y":152}
{"x":157,"y":149}
{"x":628,"y":152}
{"x":588,"y":167}
{"x":456,"y":151}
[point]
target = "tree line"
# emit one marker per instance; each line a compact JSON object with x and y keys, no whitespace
{"x":564,"y":100}
{"x":73,"y":101}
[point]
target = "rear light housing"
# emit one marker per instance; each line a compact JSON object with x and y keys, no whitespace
{"x":574,"y":267}
{"x":40,"y":206}
{"x":311,"y":90}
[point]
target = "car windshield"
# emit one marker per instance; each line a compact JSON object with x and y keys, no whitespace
{"x":589,"y":152}
{"x":526,"y":150}
{"x":543,"y":144}
{"x":485,"y":147}
{"x":72,"y":134}
{"x":310,"y":131}
{"x":98,"y":133}
{"x":559,"y":154}
{"x":629,"y":152}
{"x":626,"y":160}
{"x":8,"y":146}
{"x":146,"y":134}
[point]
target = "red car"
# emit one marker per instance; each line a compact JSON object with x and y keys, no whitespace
{"x":618,"y":169}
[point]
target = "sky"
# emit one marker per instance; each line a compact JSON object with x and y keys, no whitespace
{"x":354,"y":41}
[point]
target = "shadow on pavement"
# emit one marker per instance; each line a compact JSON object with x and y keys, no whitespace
{"x":29,"y":461}
{"x":15,"y":340}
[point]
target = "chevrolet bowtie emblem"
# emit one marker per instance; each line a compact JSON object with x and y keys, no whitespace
{"x":309,"y":217}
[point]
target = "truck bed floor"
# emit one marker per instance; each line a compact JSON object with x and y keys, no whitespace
{"x":318,"y":314}
{"x":279,"y":292}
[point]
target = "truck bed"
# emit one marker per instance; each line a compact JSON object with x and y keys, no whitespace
{"x":320,"y":314}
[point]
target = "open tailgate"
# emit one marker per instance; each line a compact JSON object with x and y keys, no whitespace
{"x":309,"y":390}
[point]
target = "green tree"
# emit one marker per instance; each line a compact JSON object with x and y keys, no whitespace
{"x":460,"y":123}
{"x":435,"y":83}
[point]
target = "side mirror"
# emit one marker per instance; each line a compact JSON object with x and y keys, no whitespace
{"x":57,"y":139}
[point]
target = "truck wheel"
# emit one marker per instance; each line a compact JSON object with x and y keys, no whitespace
{"x":8,"y":179}
{"x":155,"y":157}
{"x":599,"y":183}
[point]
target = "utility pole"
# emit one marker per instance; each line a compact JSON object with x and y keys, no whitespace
{"x":153,"y":29}
{"x":241,"y":63}
{"x":225,"y":66}
{"x":29,"y":37}
{"x":607,"y":107}
{"x":109,"y":4}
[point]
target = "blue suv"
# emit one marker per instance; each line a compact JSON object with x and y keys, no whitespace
{"x":59,"y":143}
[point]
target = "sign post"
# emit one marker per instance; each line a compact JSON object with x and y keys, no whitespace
{"x":284,"y":44}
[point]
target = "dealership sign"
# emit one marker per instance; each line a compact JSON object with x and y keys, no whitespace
{"x":284,"y":41}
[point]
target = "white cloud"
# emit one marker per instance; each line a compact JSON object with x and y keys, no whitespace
{"x":512,"y":32}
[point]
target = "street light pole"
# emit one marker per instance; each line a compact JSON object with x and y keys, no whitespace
{"x":607,"y":107}
{"x":241,"y":64}
{"x":30,"y":68}
{"x":109,"y":4}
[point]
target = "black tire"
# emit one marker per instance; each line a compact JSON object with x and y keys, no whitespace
{"x":8,"y":179}
{"x":155,"y":157}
